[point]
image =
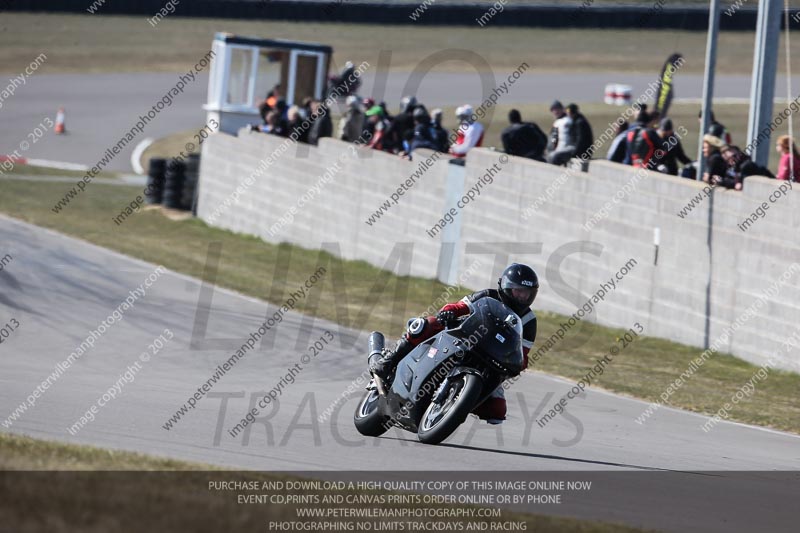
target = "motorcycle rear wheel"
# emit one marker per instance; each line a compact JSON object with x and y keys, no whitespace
{"x":442,"y":419}
{"x":368,"y":418}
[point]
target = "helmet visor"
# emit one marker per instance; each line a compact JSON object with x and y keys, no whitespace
{"x":524,"y":296}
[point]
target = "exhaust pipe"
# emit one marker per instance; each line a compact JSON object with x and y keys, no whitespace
{"x":376,"y":343}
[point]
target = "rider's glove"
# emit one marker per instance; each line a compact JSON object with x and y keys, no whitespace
{"x":445,"y":317}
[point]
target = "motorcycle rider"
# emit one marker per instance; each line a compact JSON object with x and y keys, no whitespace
{"x":516,"y":288}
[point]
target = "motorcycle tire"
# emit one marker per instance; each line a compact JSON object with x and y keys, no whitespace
{"x":440,"y":421}
{"x":368,"y":418}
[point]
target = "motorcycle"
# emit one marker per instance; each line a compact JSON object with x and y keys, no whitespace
{"x":442,"y":380}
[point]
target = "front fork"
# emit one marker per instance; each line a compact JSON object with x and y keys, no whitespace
{"x":439,"y":395}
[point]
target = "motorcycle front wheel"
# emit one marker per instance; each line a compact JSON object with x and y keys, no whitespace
{"x":442,"y":418}
{"x":368,"y":418}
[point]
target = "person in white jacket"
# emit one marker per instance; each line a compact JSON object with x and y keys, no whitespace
{"x":470,"y":132}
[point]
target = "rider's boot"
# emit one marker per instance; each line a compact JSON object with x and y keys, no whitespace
{"x":383,"y":364}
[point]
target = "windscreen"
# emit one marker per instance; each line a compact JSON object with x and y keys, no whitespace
{"x":488,"y":329}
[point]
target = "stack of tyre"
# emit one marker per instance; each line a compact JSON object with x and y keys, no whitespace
{"x":154,"y":192}
{"x":174,"y":178}
{"x":189,"y":197}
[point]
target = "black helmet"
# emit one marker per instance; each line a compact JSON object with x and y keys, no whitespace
{"x":420,"y":114}
{"x":522,"y":278}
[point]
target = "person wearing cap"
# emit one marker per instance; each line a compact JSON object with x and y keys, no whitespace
{"x":351,"y":125}
{"x":666,"y":160}
{"x":470,"y":132}
{"x":379,"y":126}
{"x":559,"y":148}
{"x":715,"y":164}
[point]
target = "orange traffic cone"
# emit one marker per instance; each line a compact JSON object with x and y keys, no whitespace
{"x":60,"y":124}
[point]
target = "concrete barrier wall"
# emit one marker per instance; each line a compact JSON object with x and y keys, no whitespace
{"x":331,"y":206}
{"x":706,"y":289}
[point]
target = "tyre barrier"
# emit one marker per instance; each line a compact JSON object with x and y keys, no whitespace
{"x":174,"y":178}
{"x":466,"y":13}
{"x":189,"y":196}
{"x":155,"y":180}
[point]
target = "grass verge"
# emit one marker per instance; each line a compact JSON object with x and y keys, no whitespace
{"x":359,"y":295}
{"x":20,"y":169}
{"x":96,"y":491}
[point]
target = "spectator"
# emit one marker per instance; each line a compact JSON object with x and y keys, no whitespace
{"x":379,"y":127}
{"x":306,"y":104}
{"x":423,"y":135}
{"x":263,"y":109}
{"x":715,"y":165}
{"x":402,"y":126}
{"x":386,"y":114}
{"x":273,"y":96}
{"x":322,"y":125}
{"x":282,"y":108}
{"x":351,"y":125}
{"x":789,"y":166}
{"x":559,"y":149}
{"x":580,"y":131}
{"x":296,"y":116}
{"x":369,"y":127}
{"x":274,"y":124}
{"x":347,"y":82}
{"x":368,"y":103}
{"x":469,"y":134}
{"x":740,"y":166}
{"x":716,"y":129}
{"x":348,"y":71}
{"x":642,"y":142}
{"x":523,"y":139}
{"x":666,"y":161}
{"x":277,"y":126}
{"x":616,"y":152}
{"x":439,"y":133}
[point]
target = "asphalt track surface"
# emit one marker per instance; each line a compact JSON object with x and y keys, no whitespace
{"x":101,"y":108}
{"x":60,"y":289}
